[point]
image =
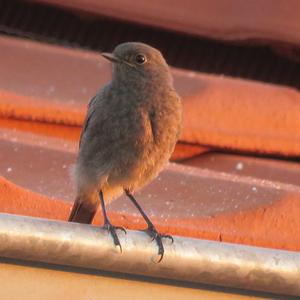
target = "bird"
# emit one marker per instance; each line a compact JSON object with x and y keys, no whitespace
{"x":128,"y":135}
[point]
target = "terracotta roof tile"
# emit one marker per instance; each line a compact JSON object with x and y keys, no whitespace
{"x":227,"y":20}
{"x":226,"y":198}
{"x":219,"y":112}
{"x":182,"y":200}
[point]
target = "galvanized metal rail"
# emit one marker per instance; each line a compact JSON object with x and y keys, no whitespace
{"x":187,"y":259}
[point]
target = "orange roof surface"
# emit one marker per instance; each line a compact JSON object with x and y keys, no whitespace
{"x":223,"y":197}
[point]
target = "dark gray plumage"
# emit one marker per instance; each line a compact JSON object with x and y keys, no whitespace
{"x":129,"y":133}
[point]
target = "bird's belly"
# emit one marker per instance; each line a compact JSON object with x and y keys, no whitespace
{"x":136,"y":169}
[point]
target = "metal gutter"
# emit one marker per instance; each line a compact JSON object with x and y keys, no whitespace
{"x":187,"y":259}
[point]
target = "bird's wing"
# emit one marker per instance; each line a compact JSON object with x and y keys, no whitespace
{"x":90,"y":112}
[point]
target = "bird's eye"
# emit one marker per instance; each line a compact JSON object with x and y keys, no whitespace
{"x":140,"y":59}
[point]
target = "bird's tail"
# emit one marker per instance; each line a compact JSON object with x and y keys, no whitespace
{"x":83,"y":211}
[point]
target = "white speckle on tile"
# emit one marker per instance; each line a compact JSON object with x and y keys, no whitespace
{"x":191,"y":74}
{"x":84,"y":90}
{"x":50,"y":89}
{"x":239,"y":166}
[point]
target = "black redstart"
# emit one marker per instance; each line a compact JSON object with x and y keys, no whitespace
{"x":129,"y":134}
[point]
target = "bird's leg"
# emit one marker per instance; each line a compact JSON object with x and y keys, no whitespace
{"x":108,"y":226}
{"x":151,"y":230}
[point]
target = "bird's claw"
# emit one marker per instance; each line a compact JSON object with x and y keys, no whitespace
{"x":167,"y":236}
{"x":112,"y":230}
{"x":155,"y":235}
{"x":121,"y":228}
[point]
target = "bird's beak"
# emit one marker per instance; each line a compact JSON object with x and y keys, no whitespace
{"x":110,"y":57}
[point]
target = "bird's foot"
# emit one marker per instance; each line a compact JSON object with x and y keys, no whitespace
{"x":112,"y":230}
{"x":155,"y":235}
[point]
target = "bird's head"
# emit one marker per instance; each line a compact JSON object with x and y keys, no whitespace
{"x":138,"y":61}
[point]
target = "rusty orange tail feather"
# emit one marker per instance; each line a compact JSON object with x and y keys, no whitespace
{"x":82,"y":212}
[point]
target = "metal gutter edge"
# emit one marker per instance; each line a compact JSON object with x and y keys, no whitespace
{"x":187,"y":259}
